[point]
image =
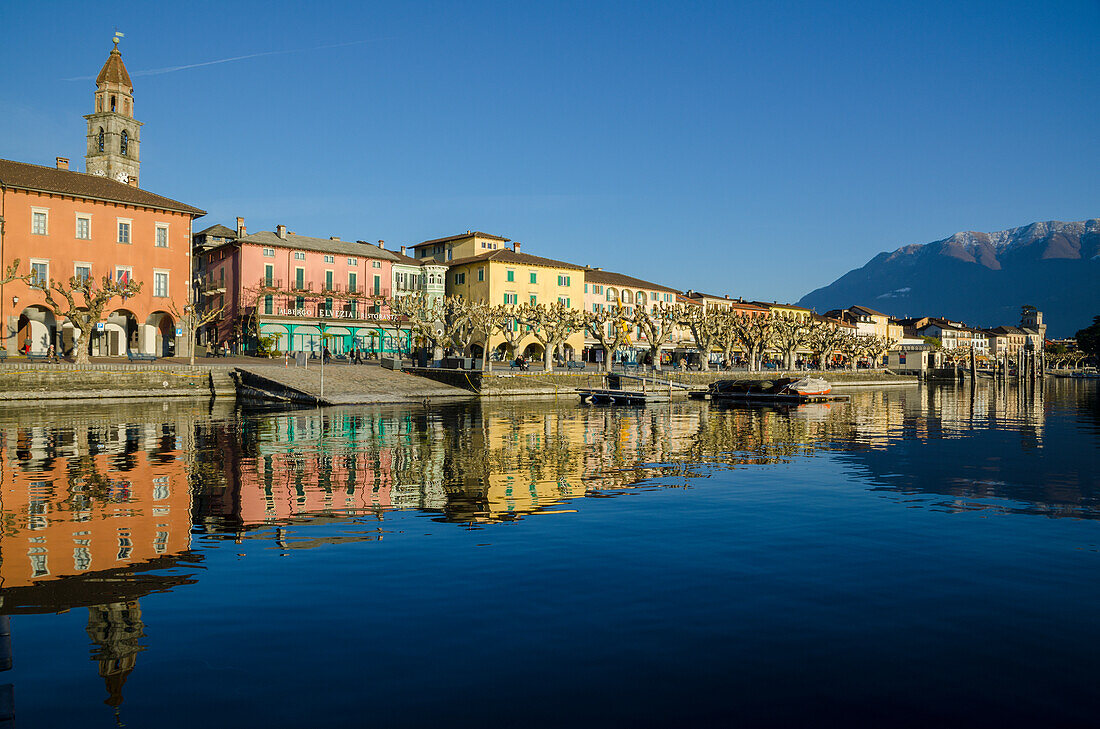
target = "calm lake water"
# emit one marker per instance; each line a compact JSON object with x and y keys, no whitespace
{"x":918,"y":556}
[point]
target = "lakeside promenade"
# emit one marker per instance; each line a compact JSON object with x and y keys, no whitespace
{"x":280,"y":381}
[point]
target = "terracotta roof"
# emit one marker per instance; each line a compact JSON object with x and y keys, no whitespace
{"x":773,"y":304}
{"x":610,"y":278}
{"x":114,"y":71}
{"x":319,"y":245}
{"x":476,"y":233}
{"x":78,"y":184}
{"x":219,"y":230}
{"x":410,"y":261}
{"x":872,"y":312}
{"x":507,"y":255}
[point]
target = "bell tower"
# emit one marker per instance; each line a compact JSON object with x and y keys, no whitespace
{"x":114,"y":136}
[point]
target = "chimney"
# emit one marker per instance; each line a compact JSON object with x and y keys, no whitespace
{"x":241,"y":230}
{"x":334,"y":237}
{"x":403,"y":250}
{"x":62,"y":163}
{"x":131,"y":181}
{"x":280,"y":230}
{"x":381,"y":244}
{"x":727,"y":296}
{"x":515,"y":246}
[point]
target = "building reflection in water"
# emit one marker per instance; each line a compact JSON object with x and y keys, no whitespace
{"x":98,"y":514}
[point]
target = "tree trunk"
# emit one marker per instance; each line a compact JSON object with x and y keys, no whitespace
{"x":655,"y":355}
{"x":605,"y":366}
{"x":82,"y":348}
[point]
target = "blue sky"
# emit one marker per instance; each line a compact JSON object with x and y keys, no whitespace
{"x":756,"y":149}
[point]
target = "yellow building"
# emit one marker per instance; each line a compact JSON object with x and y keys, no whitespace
{"x":455,"y":247}
{"x":507,"y":276}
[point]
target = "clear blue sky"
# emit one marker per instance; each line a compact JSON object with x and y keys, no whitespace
{"x":756,"y":149}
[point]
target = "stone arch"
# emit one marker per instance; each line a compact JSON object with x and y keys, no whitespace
{"x":120,"y":334}
{"x":37,"y":327}
{"x":533,"y":351}
{"x":568,"y":353}
{"x":158,"y":335}
{"x":627,"y":297}
{"x":641,"y":299}
{"x":611,"y":295}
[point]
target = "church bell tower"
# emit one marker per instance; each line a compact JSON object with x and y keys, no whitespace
{"x":114,"y":136}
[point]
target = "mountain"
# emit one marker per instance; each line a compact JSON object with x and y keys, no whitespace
{"x":982,"y":278}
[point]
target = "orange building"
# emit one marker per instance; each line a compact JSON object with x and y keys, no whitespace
{"x":60,"y":223}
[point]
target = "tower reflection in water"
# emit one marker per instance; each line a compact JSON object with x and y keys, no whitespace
{"x":98,"y":514}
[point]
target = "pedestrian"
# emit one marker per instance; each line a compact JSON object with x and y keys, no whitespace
{"x":325,"y":356}
{"x":51,"y":354}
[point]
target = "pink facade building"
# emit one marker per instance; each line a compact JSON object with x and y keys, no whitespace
{"x":295,"y":292}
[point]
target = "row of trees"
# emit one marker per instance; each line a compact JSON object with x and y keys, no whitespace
{"x":459,"y":324}
{"x":82,"y":302}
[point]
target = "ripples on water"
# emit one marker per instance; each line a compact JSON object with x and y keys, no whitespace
{"x":747,"y":545}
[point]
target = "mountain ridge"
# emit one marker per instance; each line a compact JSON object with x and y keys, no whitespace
{"x":982,"y":278}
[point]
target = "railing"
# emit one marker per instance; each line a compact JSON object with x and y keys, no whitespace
{"x":211,"y":285}
{"x":270,"y":283}
{"x":330,"y":288}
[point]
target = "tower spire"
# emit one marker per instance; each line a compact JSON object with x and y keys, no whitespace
{"x":113,"y":133}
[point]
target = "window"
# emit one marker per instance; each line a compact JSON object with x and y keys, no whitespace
{"x":534,"y":299}
{"x":39,"y":222}
{"x":353,"y":281}
{"x":82,"y":272}
{"x":123,"y":274}
{"x":563,"y":280}
{"x":376,"y":264}
{"x":124,"y":231}
{"x":299,"y":256}
{"x":450,"y":253}
{"x":84,"y":228}
{"x":269,"y":274}
{"x":627,"y":297}
{"x":481,"y":274}
{"x":269,"y":252}
{"x":460,"y":278}
{"x":534,"y":277}
{"x":160,"y":284}
{"x":101,"y":139}
{"x":611,"y":295}
{"x":353,"y":261}
{"x":328,"y":280}
{"x":162,"y":236}
{"x":299,"y":278}
{"x":377,"y":285}
{"x":330,"y":259}
{"x":564,"y":301}
{"x":511,"y":298}
{"x":511,"y":275}
{"x":40,"y":273}
{"x":597,"y":289}
{"x":586,"y":288}
{"x":124,"y":142}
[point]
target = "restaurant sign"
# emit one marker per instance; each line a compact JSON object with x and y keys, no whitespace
{"x":335,"y":314}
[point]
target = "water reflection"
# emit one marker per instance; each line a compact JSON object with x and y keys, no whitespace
{"x":103,"y":505}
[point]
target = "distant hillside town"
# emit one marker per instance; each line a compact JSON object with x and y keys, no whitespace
{"x":95,"y":266}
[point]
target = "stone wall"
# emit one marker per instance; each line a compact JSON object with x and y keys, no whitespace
{"x":24,"y":381}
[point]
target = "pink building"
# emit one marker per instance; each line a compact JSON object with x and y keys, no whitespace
{"x":294,"y":290}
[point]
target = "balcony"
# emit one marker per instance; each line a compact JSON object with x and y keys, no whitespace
{"x":270,"y":283}
{"x":210,"y":286}
{"x":330,"y":288}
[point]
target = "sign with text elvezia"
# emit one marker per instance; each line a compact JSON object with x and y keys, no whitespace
{"x":335,"y":314}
